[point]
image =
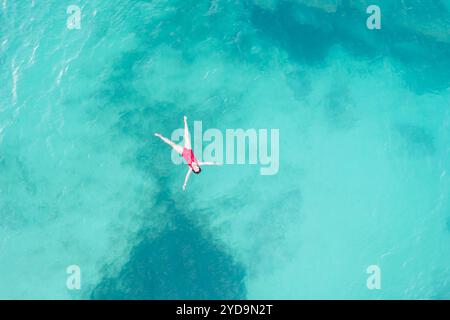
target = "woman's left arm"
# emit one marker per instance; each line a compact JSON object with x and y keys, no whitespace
{"x":187,"y":178}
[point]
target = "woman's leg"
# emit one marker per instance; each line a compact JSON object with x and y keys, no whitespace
{"x":177,"y":148}
{"x":187,"y":136}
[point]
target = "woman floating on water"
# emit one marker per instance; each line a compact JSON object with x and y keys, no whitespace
{"x":187,"y":153}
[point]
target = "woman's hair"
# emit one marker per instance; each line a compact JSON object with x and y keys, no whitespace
{"x":198,"y":172}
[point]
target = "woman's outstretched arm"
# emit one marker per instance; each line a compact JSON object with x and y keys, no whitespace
{"x":177,"y":148}
{"x":188,"y":174}
{"x":209,"y":163}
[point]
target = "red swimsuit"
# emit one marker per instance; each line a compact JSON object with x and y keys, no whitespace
{"x":188,"y":155}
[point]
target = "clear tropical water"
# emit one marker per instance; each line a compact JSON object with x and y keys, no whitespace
{"x":364,"y":179}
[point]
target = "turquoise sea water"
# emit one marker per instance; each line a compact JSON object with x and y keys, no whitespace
{"x":364,"y":120}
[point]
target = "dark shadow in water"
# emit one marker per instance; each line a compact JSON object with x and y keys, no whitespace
{"x":303,"y":41}
{"x":308,"y":34}
{"x":181,"y":263}
{"x":416,"y":141}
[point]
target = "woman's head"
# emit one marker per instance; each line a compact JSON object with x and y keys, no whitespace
{"x":196,"y":168}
